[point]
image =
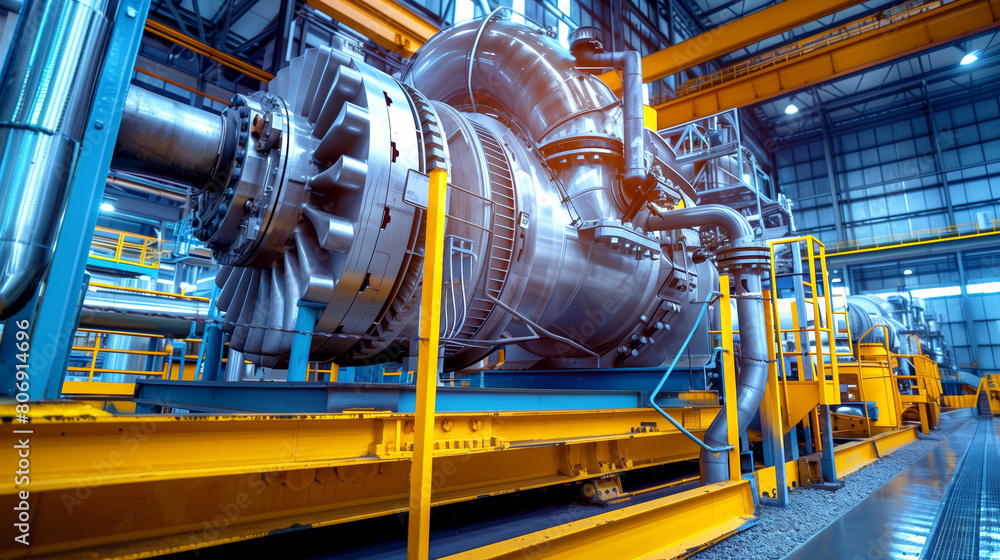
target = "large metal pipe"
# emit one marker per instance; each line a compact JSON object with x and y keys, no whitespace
{"x":523,"y":74}
{"x":168,"y":140}
{"x":47,"y":95}
{"x":129,"y":184}
{"x":752,"y":379}
{"x":736,"y":226}
{"x":118,"y":311}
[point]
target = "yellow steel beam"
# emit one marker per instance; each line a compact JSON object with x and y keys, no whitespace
{"x":849,"y":457}
{"x":103,"y":388}
{"x":191,"y":447}
{"x":767,"y":482}
{"x":386,"y":22}
{"x":158,"y":29}
{"x":670,"y":527}
{"x":782,"y":17}
{"x":136,"y":486}
{"x":180,"y":85}
{"x":418,"y":534}
{"x":935,"y":27}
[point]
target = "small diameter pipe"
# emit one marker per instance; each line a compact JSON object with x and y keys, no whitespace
{"x":753,"y":362}
{"x":630,"y":63}
{"x":666,"y":374}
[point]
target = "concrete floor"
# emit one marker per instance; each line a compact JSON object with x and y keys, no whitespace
{"x":896,"y":521}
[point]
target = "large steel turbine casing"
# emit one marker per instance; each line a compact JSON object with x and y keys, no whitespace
{"x":318,"y":202}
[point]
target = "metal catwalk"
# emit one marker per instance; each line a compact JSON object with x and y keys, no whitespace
{"x":946,"y":505}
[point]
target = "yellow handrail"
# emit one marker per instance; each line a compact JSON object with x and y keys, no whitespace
{"x":970,"y":229}
{"x":96,"y":350}
{"x":824,"y":321}
{"x":143,"y":291}
{"x":117,"y":246}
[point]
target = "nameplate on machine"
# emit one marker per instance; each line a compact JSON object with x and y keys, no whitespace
{"x":417,"y":190}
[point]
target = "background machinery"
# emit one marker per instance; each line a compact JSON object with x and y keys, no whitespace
{"x":608,"y":310}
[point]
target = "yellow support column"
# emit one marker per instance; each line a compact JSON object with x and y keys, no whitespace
{"x":418,"y":535}
{"x":772,"y":431}
{"x":729,"y":377}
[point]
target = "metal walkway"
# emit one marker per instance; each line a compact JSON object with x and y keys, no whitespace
{"x":932,"y":510}
{"x":968,"y":523}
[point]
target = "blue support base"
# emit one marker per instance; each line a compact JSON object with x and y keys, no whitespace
{"x":597,"y":379}
{"x":318,"y":397}
{"x":214,"y":343}
{"x":305,"y":322}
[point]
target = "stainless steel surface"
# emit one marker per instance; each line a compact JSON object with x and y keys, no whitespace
{"x":47,"y":95}
{"x":167,"y":139}
{"x":896,"y":520}
{"x":131,"y":183}
{"x":121,"y":311}
{"x":236,"y":367}
{"x":322,"y":207}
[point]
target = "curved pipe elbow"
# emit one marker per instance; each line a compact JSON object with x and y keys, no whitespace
{"x":19,"y":282}
{"x":630,"y":63}
{"x":753,"y":368}
{"x":736,"y":226}
{"x":522,"y":72}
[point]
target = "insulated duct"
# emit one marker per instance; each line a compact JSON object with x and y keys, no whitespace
{"x":47,"y":94}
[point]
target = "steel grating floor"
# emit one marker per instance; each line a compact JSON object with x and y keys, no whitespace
{"x":968,"y":523}
{"x":946,"y":505}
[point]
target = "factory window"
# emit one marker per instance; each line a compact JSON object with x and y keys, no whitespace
{"x":464,"y":10}
{"x":518,"y":6}
{"x":927,"y":293}
{"x":563,"y":28}
{"x":983,"y":288}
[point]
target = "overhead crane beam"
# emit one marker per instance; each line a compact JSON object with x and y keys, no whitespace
{"x":782,"y":17}
{"x":935,"y":27}
{"x":386,"y":22}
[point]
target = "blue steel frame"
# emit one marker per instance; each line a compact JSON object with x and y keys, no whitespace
{"x":58,"y":310}
{"x":321,"y":397}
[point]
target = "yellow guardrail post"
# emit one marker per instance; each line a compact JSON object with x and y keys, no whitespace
{"x":93,"y":359}
{"x":418,"y":531}
{"x":772,"y":429}
{"x":729,"y":377}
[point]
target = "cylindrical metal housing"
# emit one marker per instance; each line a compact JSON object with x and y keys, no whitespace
{"x":135,"y":312}
{"x":546,"y":246}
{"x":167,"y":139}
{"x":43,"y":113}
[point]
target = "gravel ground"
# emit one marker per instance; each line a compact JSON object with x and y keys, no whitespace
{"x":779,"y":531}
